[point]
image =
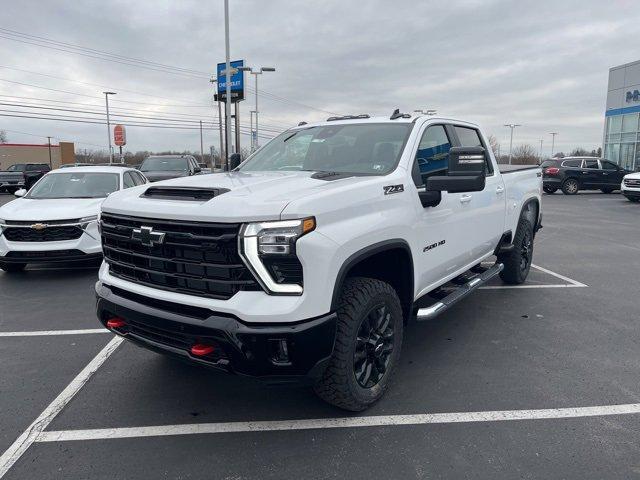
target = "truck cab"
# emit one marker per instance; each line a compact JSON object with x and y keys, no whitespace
{"x":308,"y":260}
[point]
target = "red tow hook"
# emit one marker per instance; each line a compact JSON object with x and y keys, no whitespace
{"x":201,"y":350}
{"x":116,"y":322}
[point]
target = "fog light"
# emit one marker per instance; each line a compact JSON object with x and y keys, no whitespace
{"x":279,"y":351}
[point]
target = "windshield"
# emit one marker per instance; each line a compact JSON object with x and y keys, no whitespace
{"x":164,"y":164}
{"x":75,"y":185}
{"x":364,"y":149}
{"x":16,"y":168}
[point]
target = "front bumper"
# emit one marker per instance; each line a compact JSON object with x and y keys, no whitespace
{"x":551,"y":182}
{"x":630,"y":193}
{"x":239,"y":347}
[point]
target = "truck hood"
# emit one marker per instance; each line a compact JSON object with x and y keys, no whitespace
{"x":250,"y":197}
{"x":52,"y":209}
{"x":634,"y":176}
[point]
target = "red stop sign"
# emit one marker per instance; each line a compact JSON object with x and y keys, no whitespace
{"x":119,"y":135}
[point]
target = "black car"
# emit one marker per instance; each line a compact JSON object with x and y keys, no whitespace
{"x":164,"y":167}
{"x":572,"y":174}
{"x":22,"y":175}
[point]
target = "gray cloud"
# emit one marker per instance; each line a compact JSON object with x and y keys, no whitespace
{"x":542,"y":64}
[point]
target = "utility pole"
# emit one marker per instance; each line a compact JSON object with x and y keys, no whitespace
{"x":512,"y":126}
{"x":49,"y":143}
{"x":217,"y":96}
{"x":106,"y":98}
{"x":256,"y":73}
{"x":541,"y":147}
{"x":201,"y":145}
{"x":227,"y":74}
{"x":553,"y":141}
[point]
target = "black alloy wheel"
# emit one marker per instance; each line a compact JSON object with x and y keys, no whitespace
{"x":374,"y":346}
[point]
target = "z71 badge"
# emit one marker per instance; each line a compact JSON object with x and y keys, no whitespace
{"x":389,"y":189}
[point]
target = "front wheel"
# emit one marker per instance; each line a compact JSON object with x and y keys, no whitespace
{"x":607,"y":190}
{"x":517,"y":262}
{"x":367,"y":345}
{"x":12,"y":267}
{"x":570,"y":186}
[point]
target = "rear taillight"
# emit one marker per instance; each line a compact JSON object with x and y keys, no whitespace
{"x":552,"y":170}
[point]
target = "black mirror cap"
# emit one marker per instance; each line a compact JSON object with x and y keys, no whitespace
{"x":467,"y":161}
{"x":456,"y":184}
{"x":234,"y":160}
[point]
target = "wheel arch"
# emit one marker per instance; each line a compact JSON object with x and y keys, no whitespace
{"x":390,"y":261}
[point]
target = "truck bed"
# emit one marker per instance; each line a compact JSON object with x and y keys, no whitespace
{"x":506,"y":168}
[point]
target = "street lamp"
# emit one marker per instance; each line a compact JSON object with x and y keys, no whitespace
{"x":256,"y":73}
{"x":511,"y":126}
{"x":106,"y":99}
{"x":553,"y":141}
{"x":426,"y":112}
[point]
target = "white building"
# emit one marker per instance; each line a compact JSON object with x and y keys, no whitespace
{"x":622,"y":124}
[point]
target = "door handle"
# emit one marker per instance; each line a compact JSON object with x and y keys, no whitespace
{"x":584,"y":172}
{"x":605,"y":173}
{"x":465,"y":198}
{"x":499,"y":189}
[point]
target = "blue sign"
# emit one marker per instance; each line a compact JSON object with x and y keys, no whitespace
{"x":236,"y":84}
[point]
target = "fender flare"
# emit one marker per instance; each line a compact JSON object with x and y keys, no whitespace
{"x":365,"y":253}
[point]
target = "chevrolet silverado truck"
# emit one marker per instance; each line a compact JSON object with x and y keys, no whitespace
{"x":22,"y":175}
{"x":309,"y":260}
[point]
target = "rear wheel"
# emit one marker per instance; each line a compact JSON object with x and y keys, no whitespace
{"x":12,"y":267}
{"x":517,"y":262}
{"x":367,"y":346}
{"x":607,"y":190}
{"x":570,"y":186}
{"x":550,"y":190}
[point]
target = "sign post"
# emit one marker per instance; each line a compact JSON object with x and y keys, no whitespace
{"x":120,"y":138}
{"x":233,"y":92}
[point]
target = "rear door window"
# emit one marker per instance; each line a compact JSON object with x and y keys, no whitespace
{"x":572,"y":163}
{"x":128,"y":180}
{"x":591,"y":164}
{"x":607,"y":165}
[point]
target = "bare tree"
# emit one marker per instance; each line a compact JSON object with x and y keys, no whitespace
{"x":3,"y":136}
{"x":525,"y":155}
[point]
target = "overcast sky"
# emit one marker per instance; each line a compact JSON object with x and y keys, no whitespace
{"x":541,"y":64}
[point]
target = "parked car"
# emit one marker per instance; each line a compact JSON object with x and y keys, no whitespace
{"x":306,"y":262}
{"x":572,"y":174}
{"x":22,"y":175}
{"x":165,"y":167}
{"x":630,"y":186}
{"x":56,"y":220}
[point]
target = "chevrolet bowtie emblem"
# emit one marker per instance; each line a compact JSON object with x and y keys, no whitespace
{"x":146,"y":236}
{"x":38,"y":226}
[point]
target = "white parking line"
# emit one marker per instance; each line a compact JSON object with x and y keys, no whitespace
{"x":24,"y":441}
{"x":39,"y":333}
{"x":571,"y":283}
{"x":326,"y":423}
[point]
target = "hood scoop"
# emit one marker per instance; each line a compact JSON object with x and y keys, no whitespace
{"x":193,"y":194}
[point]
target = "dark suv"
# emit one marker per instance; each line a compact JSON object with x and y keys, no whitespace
{"x":164,"y":167}
{"x":572,"y":174}
{"x":22,"y":175}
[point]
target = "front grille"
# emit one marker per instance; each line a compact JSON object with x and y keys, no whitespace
{"x":48,"y":234}
{"x":49,"y":255}
{"x":632,"y":182}
{"x":194,"y":258}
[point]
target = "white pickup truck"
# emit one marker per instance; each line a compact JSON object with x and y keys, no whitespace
{"x":307,"y":261}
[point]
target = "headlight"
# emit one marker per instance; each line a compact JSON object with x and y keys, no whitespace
{"x":269,"y":250}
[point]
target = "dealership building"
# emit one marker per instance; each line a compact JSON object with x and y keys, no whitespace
{"x":622,"y":117}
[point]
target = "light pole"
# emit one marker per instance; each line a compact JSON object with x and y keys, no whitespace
{"x":253,"y":146}
{"x":201,"y":145}
{"x":541,"y":140}
{"x":512,"y":126}
{"x":49,"y":143}
{"x":222,"y":149}
{"x":256,"y":73}
{"x":425,"y":112}
{"x":106,"y":99}
{"x":227,"y":75}
{"x":553,"y":141}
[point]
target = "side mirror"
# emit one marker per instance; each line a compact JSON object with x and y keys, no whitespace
{"x":466,"y":172}
{"x":20,"y":193}
{"x":197,"y":170}
{"x":234,"y":160}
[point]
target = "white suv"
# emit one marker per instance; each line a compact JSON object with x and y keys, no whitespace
{"x":630,"y":186}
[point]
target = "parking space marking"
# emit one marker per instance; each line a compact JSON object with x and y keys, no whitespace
{"x":26,"y":439}
{"x":39,"y":333}
{"x":571,"y":283}
{"x":327,"y":423}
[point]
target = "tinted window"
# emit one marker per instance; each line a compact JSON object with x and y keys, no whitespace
{"x":33,"y":168}
{"x":432,"y":156}
{"x":607,"y":165}
{"x":165,"y":164}
{"x":590,"y":164}
{"x":128,"y":180}
{"x":17,"y":168}
{"x":548,"y":163}
{"x":572,"y":163}
{"x":138,"y":178}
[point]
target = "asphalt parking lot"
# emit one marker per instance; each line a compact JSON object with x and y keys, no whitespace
{"x":500,"y":386}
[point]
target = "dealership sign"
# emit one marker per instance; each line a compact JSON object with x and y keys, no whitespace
{"x":633,"y":96}
{"x":236,"y":84}
{"x":119,"y":135}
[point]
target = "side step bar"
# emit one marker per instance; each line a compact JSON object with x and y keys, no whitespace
{"x":454,"y":297}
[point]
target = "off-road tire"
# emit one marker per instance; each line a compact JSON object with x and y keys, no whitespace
{"x":516,"y":268}
{"x":570,"y":186}
{"x":338,"y":385}
{"x":12,"y":267}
